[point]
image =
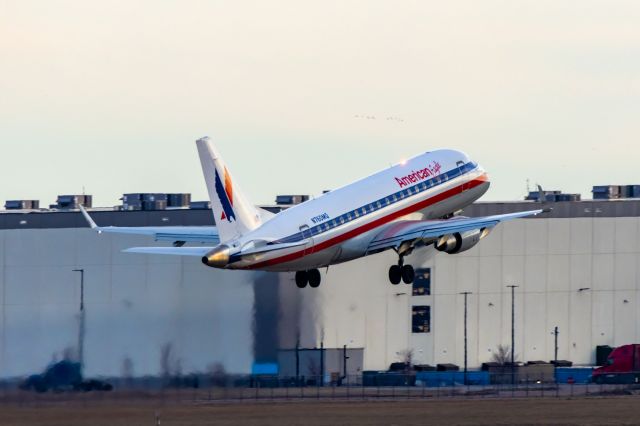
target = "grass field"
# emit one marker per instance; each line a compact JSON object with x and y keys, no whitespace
{"x":579,"y":411}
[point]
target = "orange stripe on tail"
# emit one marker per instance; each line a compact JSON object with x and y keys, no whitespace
{"x":228,"y":186}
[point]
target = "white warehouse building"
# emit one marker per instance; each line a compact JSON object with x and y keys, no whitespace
{"x":576,"y":268}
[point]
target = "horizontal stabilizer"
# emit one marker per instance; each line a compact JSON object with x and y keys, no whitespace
{"x":191,"y":234}
{"x":175,"y":251}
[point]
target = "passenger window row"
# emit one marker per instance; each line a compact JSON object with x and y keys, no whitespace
{"x":384,"y":202}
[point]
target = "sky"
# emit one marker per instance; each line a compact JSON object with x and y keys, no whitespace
{"x":301,"y":96}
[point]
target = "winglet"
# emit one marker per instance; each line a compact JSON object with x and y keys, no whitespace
{"x":92,"y":224}
{"x":541,"y":196}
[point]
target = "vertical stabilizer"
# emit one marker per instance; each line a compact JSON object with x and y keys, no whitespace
{"x":233,"y":214}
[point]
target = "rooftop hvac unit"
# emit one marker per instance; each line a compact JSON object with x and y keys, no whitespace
{"x":606,"y":192}
{"x":72,"y":201}
{"x":21,"y":204}
{"x":178,"y":200}
{"x":154,"y":205}
{"x":200,"y":205}
{"x":630,"y":191}
{"x":291,"y":199}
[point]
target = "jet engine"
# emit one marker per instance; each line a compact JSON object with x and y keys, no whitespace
{"x":218,"y":257}
{"x":460,"y":241}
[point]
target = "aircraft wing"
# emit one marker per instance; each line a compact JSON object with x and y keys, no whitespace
{"x":399,"y":232}
{"x":195,"y":234}
{"x":203,"y":251}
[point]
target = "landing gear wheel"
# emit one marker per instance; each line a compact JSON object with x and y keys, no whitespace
{"x":395,"y":274}
{"x":301,"y":279}
{"x":314,"y":278}
{"x":408,"y":274}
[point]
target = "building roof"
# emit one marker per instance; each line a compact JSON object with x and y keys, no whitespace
{"x":28,"y":219}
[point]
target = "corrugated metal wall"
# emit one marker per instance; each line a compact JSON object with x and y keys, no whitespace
{"x":135,"y":305}
{"x":579,"y":274}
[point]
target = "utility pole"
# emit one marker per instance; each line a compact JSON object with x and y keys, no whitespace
{"x":555,"y":351}
{"x":344,"y":362}
{"x":322,"y":363}
{"x":513,"y":333}
{"x":465,"y":293}
{"x":297,"y":362}
{"x":81,"y":319}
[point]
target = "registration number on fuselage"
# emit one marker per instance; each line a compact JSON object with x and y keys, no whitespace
{"x":320,"y":218}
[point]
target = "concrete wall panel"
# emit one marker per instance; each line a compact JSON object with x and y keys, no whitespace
{"x":603,"y":318}
{"x":603,"y":272}
{"x":625,"y":271}
{"x":444,"y":317}
{"x":624,"y":317}
{"x":581,"y":231}
{"x":491,"y":245}
{"x":490,"y":274}
{"x":535,"y":277}
{"x":514,"y":237}
{"x":21,"y":285}
{"x":535,"y":333}
{"x":536,"y":236}
{"x":580,"y":334}
{"x":488,"y":325}
{"x":581,"y":274}
{"x":558,"y":273}
{"x":559,"y":235}
{"x":513,"y":268}
{"x":604,"y":232}
{"x":93,"y":249}
{"x":626,"y":235}
{"x":557,"y":315}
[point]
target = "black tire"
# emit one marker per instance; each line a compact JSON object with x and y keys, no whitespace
{"x":314,"y":278}
{"x":301,"y":279}
{"x":408,"y":274}
{"x":395,"y":274}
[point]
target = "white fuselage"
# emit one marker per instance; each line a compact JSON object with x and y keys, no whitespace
{"x":339,"y":225}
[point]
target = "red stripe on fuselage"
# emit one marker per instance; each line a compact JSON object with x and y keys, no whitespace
{"x":373,"y":224}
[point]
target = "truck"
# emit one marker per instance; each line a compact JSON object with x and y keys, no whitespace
{"x":63,"y":376}
{"x":622,"y":366}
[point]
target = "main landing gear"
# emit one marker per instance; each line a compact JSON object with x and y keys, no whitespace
{"x":311,"y":277}
{"x":401,"y":272}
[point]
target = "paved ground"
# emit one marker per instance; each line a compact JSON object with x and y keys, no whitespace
{"x":622,"y":410}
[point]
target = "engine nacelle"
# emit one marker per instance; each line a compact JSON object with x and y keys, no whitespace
{"x":218,"y":257}
{"x":460,"y":241}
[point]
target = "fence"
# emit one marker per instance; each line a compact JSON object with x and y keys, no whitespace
{"x":360,"y":387}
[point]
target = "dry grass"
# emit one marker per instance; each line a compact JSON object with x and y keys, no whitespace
{"x":579,"y":411}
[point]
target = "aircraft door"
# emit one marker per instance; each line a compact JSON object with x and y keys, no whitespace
{"x":306,"y":233}
{"x":460,"y":165}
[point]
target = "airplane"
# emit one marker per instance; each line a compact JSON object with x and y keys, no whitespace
{"x":409,"y":205}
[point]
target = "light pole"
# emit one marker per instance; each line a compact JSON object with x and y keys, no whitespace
{"x":513,"y":333}
{"x":81,"y":327}
{"x":465,"y":293}
{"x":555,"y":351}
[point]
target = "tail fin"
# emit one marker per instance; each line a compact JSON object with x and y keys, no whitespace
{"x":233,"y":214}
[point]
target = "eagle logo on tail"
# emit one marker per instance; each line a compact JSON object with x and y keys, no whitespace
{"x":225,"y":195}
